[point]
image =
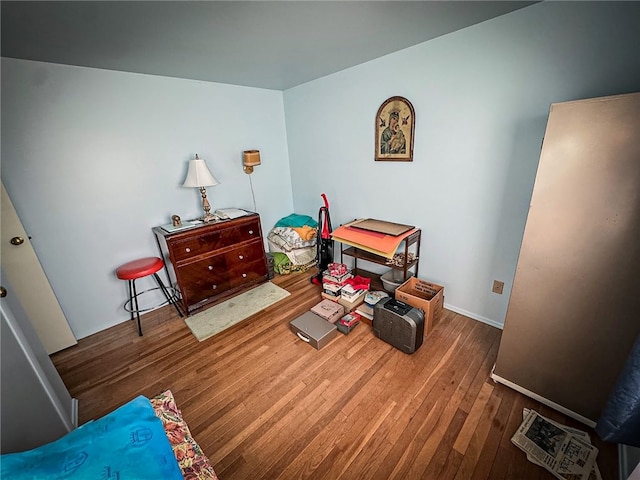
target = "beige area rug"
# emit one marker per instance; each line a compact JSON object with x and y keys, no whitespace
{"x":222,"y":316}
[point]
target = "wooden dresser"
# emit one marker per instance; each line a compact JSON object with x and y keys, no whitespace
{"x":211,"y":262}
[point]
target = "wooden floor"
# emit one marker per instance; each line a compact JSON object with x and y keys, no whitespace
{"x":263,"y":404}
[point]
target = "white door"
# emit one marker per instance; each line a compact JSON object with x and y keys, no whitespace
{"x":23,"y":271}
{"x":36,"y":406}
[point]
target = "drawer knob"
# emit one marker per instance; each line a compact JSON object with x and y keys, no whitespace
{"x":250,"y":232}
{"x":240,"y":257}
{"x":244,"y":275}
{"x":210,"y":267}
{"x":214,"y":287}
{"x":187,"y":250}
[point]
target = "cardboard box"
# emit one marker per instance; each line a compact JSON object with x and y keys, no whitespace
{"x":350,"y":305}
{"x":365,"y":312}
{"x":328,"y":296}
{"x":330,"y":311}
{"x":348,"y":322}
{"x":331,"y":288}
{"x":424,"y":295}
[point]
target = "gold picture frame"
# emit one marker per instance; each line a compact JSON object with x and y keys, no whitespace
{"x":395,"y":128}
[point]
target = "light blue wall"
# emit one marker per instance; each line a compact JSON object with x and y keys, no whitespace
{"x":481,"y":97}
{"x":93,"y":159}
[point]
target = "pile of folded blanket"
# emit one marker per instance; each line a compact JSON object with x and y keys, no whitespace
{"x":292,"y":242}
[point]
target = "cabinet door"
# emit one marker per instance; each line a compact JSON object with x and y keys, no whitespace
{"x":573,"y":312}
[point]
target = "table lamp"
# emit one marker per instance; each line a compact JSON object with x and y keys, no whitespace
{"x":199,"y":176}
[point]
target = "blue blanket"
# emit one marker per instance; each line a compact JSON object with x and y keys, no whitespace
{"x":620,"y":418}
{"x":296,"y":220}
{"x":128,"y":443}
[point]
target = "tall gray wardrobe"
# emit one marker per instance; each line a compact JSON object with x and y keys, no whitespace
{"x":574,"y":310}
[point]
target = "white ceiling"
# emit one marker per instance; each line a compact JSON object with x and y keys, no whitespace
{"x":266,"y":44}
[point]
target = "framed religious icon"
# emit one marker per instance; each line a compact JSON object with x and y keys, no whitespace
{"x":395,"y":126}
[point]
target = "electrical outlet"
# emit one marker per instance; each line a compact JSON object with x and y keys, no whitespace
{"x":498,"y":286}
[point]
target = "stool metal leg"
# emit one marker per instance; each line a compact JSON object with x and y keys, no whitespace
{"x":134,"y":306}
{"x":130,"y":298}
{"x":135,"y":299}
{"x":169,"y":297}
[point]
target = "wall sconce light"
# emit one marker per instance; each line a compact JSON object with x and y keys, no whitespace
{"x":251,"y":158}
{"x":199,"y":176}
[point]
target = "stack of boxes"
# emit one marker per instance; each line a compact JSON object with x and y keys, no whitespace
{"x":334,"y":278}
{"x":339,"y":285}
{"x":351,"y":297}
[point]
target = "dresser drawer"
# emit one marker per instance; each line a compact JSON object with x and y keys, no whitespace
{"x":204,"y":279}
{"x":250,"y":273}
{"x":215,"y":239}
{"x":214,"y":275}
{"x":240,"y":257}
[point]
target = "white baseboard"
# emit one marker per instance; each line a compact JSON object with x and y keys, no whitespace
{"x":74,"y":412}
{"x":543,"y":400}
{"x":479,"y":318}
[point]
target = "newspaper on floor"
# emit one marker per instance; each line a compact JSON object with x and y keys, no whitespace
{"x":595,"y":471}
{"x":565,"y":455}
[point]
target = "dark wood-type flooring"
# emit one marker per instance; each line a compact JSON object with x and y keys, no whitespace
{"x":263,"y":404}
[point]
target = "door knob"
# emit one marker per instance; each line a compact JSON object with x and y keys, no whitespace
{"x":17,"y":241}
{"x":3,"y":292}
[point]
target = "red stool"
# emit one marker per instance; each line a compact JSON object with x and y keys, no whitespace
{"x":136,"y":269}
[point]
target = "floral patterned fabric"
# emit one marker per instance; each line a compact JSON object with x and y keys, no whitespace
{"x":286,"y":239}
{"x":193,"y":463}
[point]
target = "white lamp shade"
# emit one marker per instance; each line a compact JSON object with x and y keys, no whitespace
{"x":199,"y":175}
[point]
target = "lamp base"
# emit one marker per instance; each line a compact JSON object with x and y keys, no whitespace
{"x":209,"y":218}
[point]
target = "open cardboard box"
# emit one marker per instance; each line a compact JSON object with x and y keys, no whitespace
{"x":424,"y":295}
